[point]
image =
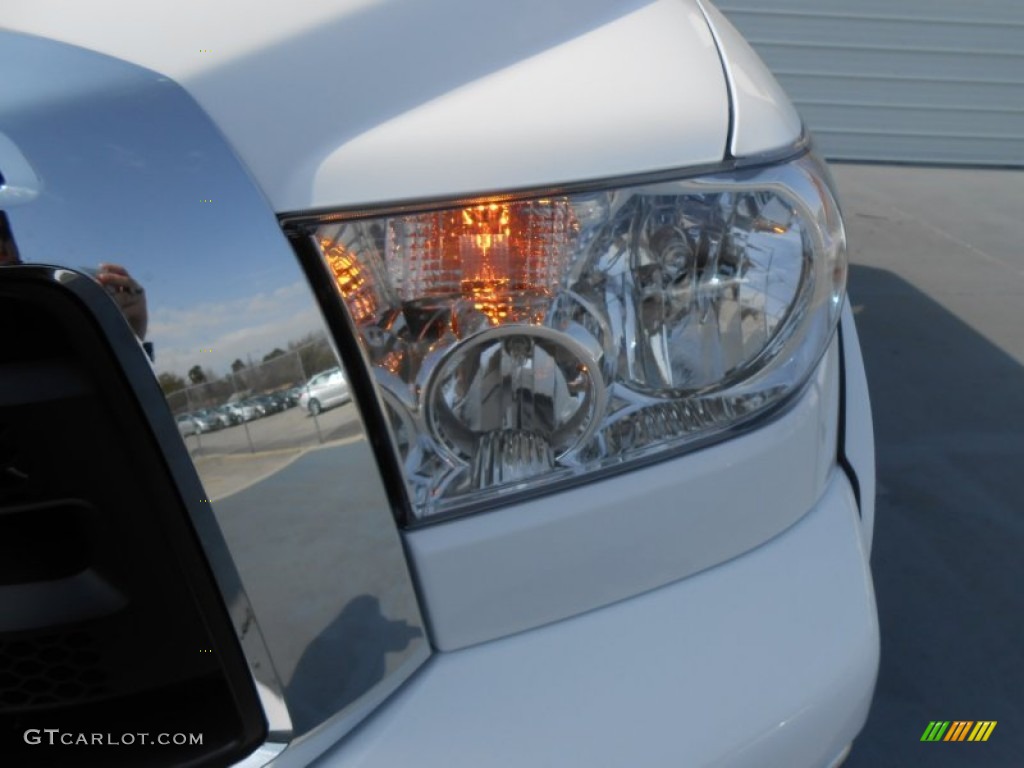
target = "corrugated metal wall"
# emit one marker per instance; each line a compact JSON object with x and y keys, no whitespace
{"x":938,"y":81}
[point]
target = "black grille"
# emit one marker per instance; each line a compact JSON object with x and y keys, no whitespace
{"x":50,"y":670}
{"x":105,"y":597}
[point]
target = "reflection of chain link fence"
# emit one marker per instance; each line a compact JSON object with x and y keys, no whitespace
{"x":178,"y":402}
{"x":209,"y":394}
{"x":232,"y":414}
{"x":282,"y":372}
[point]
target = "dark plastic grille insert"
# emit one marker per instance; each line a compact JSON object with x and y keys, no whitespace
{"x":50,"y":669}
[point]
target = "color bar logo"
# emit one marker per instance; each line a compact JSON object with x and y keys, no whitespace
{"x":958,"y":730}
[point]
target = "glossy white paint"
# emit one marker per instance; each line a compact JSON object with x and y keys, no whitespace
{"x":490,"y":575}
{"x":764,"y":118}
{"x":182,"y":39}
{"x":614,"y":100}
{"x":860,"y":434}
{"x":767,"y":661}
{"x":335,"y":104}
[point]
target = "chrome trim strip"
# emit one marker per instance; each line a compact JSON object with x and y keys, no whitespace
{"x":264,"y":755}
{"x":18,"y":182}
{"x":337,"y":319}
{"x":323,"y":602}
{"x":303,"y":750}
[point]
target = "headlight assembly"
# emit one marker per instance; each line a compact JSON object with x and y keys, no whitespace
{"x":516,"y":343}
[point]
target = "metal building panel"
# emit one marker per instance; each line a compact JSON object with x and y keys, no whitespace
{"x":931,"y":81}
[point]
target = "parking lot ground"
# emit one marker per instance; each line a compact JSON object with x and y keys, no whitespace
{"x":937,"y":284}
{"x":230,"y":460}
{"x":226,"y":474}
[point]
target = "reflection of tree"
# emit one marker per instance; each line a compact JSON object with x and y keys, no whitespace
{"x":275,"y":352}
{"x":196,"y":375}
{"x":170,"y":382}
{"x":210,"y":393}
{"x":315,"y":353}
{"x":345,"y":661}
{"x":279,"y":369}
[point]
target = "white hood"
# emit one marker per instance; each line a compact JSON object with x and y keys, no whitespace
{"x":337,"y":103}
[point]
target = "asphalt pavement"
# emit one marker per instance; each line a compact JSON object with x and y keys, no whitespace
{"x":230,"y":460}
{"x":937,"y":284}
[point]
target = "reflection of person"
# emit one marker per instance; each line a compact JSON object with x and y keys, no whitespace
{"x":8,"y":250}
{"x":129,"y":295}
{"x":125,"y":290}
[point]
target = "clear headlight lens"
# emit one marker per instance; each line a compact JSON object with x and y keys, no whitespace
{"x":520,"y":343}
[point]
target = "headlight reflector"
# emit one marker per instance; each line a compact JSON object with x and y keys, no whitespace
{"x":516,"y":343}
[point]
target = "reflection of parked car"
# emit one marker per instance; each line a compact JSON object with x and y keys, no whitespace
{"x":325,"y":390}
{"x":208,"y":420}
{"x":261,"y":407}
{"x":244,"y":411}
{"x":187,"y":425}
{"x":284,"y":399}
{"x":228,"y":416}
{"x":268,"y":405}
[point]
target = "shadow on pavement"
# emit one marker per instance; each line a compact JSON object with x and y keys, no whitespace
{"x":948,"y":555}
